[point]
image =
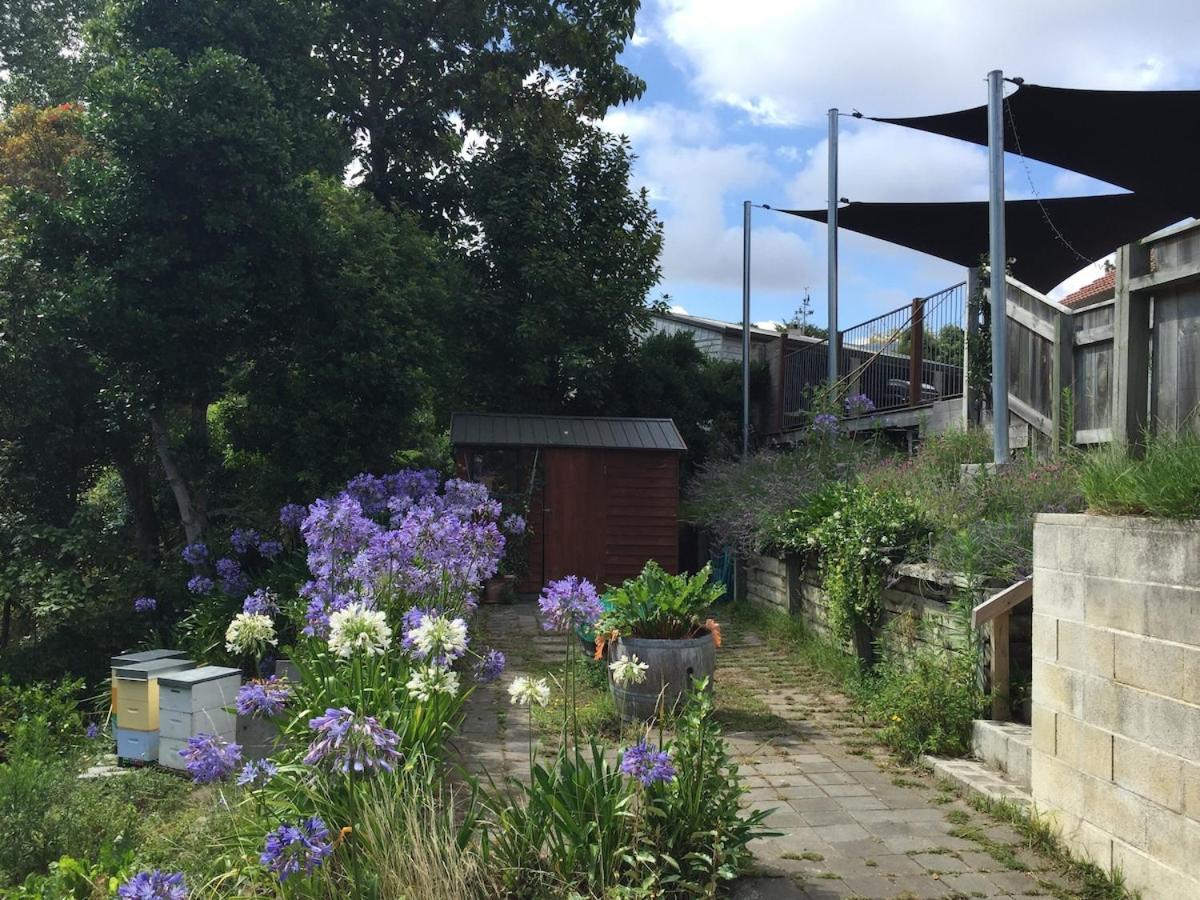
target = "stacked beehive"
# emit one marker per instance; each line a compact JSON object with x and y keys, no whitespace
{"x":191,"y":702}
{"x":135,"y":701}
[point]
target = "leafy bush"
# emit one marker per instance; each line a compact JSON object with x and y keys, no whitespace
{"x":73,"y":879}
{"x":1163,"y":482}
{"x":866,"y":534}
{"x":659,"y":605}
{"x":52,"y":710}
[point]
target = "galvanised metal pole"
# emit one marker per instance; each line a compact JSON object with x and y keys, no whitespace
{"x":746,"y":328}
{"x":832,"y":242}
{"x":997,"y":260}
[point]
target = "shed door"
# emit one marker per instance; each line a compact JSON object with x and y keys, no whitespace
{"x":574,"y":538}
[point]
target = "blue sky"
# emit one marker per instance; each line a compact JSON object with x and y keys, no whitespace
{"x":735,"y":110}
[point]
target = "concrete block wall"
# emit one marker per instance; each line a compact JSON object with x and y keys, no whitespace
{"x":1116,"y":694}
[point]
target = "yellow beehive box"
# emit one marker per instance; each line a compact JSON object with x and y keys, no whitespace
{"x":136,"y":691}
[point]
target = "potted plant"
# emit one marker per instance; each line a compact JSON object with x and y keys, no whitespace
{"x":658,"y":639}
{"x":515,"y":562}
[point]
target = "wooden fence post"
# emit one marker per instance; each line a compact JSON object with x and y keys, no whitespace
{"x":916,"y":352}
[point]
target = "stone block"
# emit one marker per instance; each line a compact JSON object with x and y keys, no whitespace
{"x":1161,"y":722}
{"x":1084,"y":839}
{"x":1172,"y":612}
{"x":1154,"y":880}
{"x":1085,"y":648}
{"x":1045,"y":729}
{"x":1152,"y":665}
{"x":1045,"y":637}
{"x":1191,"y":789}
{"x":1118,"y":812}
{"x":1084,"y":747}
{"x":1058,"y":594}
{"x":1057,"y":688}
{"x":1175,"y":841}
{"x":1056,"y":785}
{"x":1158,"y":777}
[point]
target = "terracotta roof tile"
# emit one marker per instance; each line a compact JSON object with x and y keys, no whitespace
{"x":1106,"y":283}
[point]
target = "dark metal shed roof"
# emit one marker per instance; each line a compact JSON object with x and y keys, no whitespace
{"x":498,"y":429}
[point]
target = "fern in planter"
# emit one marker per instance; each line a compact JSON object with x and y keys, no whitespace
{"x":864,"y":534}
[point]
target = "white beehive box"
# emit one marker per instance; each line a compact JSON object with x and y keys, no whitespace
{"x":197,"y":701}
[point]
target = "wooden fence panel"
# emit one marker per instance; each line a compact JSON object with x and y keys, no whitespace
{"x":1175,"y":374}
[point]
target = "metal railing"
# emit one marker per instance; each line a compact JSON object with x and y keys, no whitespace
{"x":907,"y":357}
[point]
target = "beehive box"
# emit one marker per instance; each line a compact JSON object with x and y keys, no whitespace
{"x":193,"y":702}
{"x":132,"y":658}
{"x":136,"y":687}
{"x":135,"y":745}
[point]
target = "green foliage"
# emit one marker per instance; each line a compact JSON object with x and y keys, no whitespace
{"x":659,"y":605}
{"x":48,"y":714}
{"x":695,"y":822}
{"x":1163,"y":481}
{"x":74,"y":879}
{"x":866,"y":534}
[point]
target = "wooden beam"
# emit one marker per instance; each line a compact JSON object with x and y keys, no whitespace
{"x":1093,"y":435}
{"x":1041,"y":422}
{"x":1186,"y":272}
{"x":1001,"y":699}
{"x":1002,"y":602}
{"x":1022,"y":316}
{"x":1093,"y":335}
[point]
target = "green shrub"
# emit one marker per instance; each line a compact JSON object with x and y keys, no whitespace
{"x":657,"y":604}
{"x":50,"y":710}
{"x":866,"y":534}
{"x":1164,"y":482}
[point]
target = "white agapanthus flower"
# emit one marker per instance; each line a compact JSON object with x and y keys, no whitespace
{"x":358,"y":629}
{"x":628,"y":670}
{"x":525,"y":691}
{"x":440,"y":638}
{"x":427,"y":681}
{"x":249,"y":634}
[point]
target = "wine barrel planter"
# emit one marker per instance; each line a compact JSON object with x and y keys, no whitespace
{"x":672,"y":666}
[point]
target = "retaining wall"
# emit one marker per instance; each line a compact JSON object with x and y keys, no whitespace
{"x":1116,"y":694}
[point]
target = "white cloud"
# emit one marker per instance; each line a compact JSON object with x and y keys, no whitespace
{"x":641,"y":38}
{"x":786,"y":62}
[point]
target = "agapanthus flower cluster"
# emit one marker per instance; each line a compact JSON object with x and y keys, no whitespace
{"x":195,"y":554}
{"x":292,"y":849}
{"x":262,"y":602}
{"x":269,"y":549}
{"x":628,"y":670}
{"x":514,"y":524}
{"x":200,"y":584}
{"x":438,"y":638}
{"x":525,"y":691}
{"x":569,"y":603}
{"x":154,"y":885}
{"x":489,"y":667}
{"x":244,"y":540}
{"x":351,"y":743}
{"x":263,"y":697}
{"x":858,"y":405}
{"x":291,"y":515}
{"x":233,"y":580}
{"x":93,"y":731}
{"x":209,"y":758}
{"x":825,"y":424}
{"x":426,"y":682}
{"x":647,"y":765}
{"x":250,"y":634}
{"x":145,"y":604}
{"x":256,"y":773}
{"x":356,"y":629}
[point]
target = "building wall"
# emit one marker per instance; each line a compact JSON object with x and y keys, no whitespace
{"x":1116,"y":694}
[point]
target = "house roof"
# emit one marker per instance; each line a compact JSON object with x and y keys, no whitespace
{"x":512,"y":430}
{"x":1102,"y":288}
{"x":756,"y":331}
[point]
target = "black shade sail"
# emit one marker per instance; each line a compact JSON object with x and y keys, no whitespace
{"x":1145,"y":141}
{"x":958,"y":232}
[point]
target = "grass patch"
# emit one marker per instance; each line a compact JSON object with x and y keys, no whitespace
{"x":1164,"y":482}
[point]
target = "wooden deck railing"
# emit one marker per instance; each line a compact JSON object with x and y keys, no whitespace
{"x":997,"y":610}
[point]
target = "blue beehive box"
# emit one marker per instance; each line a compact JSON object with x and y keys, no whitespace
{"x":141,"y":746}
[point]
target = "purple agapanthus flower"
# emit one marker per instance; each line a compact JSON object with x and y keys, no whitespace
{"x":210,"y":758}
{"x":256,"y":773}
{"x":859,"y":405}
{"x":233,"y":580}
{"x":568,"y":603}
{"x":263,"y":698}
{"x":195,"y":554}
{"x":269,"y":549}
{"x":351,"y":743}
{"x":244,"y":540}
{"x":514,"y":524}
{"x":199,"y":584}
{"x":489,"y":666}
{"x":262,"y":602}
{"x":154,"y":885}
{"x":825,"y":424}
{"x":291,"y":516}
{"x":647,"y":765}
{"x":292,"y":849}
{"x":93,"y":731}
{"x":145,"y":604}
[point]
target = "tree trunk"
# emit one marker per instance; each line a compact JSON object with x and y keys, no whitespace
{"x":140,"y":495}
{"x":190,"y":517}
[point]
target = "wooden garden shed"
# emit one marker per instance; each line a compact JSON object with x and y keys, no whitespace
{"x":602,"y":494}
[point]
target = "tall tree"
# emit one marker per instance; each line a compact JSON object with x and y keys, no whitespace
{"x":564,"y":256}
{"x":41,"y":50}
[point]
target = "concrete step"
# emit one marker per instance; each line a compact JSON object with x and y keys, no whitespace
{"x":978,"y":779}
{"x":1005,"y":746}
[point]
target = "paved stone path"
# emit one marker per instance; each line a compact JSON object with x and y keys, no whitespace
{"x":853,"y":822}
